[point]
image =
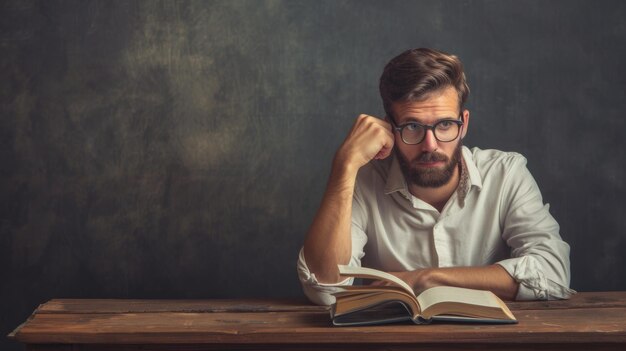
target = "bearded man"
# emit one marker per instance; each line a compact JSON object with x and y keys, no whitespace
{"x":405,"y":196}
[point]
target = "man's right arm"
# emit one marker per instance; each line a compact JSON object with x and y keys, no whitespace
{"x":328,"y":242}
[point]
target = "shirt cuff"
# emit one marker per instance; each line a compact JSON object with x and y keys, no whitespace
{"x":319,"y":293}
{"x":533,"y":283}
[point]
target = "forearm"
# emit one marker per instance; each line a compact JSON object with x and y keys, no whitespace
{"x":328,"y":242}
{"x":493,"y":278}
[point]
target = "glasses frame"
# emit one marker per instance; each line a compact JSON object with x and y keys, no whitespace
{"x":427,"y":127}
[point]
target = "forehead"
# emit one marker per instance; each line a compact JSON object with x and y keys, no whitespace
{"x":443,"y":103}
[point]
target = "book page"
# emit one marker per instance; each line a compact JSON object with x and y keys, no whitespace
{"x":369,"y":273}
{"x":440,"y":294}
{"x":447,"y":300}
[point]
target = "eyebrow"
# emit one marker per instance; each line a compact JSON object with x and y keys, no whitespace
{"x":410,"y":119}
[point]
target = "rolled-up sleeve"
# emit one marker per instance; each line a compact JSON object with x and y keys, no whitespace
{"x":539,"y":257}
{"x":317,"y":292}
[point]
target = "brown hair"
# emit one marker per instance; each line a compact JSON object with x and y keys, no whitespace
{"x":416,"y":73}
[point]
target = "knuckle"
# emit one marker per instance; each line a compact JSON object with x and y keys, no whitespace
{"x":382,"y":131}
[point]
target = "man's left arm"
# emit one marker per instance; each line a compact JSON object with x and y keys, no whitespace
{"x":493,"y":278}
{"x":539,"y":256}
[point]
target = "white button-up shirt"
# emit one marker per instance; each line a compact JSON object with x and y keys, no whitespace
{"x":496,"y":215}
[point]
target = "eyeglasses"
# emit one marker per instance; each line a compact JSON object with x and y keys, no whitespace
{"x":444,"y":130}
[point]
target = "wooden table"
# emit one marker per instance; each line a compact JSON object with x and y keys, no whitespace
{"x":589,"y":321}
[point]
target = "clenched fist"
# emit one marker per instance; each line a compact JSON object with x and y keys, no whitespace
{"x":370,"y":138}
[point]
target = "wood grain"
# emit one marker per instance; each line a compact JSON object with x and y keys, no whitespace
{"x":592,"y":320}
{"x":145,"y":306}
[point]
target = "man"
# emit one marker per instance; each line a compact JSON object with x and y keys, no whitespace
{"x":405,"y":196}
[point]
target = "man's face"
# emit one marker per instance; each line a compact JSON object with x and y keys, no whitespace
{"x":431,"y":163}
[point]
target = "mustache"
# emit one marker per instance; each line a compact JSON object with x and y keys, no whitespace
{"x":431,"y":157}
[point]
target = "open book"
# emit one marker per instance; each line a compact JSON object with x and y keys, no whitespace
{"x":365,"y":305}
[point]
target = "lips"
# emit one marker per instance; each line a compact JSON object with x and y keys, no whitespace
{"x":430,"y":164}
{"x":430,"y":160}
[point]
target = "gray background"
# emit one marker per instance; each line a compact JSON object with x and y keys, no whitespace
{"x":180,"y":149}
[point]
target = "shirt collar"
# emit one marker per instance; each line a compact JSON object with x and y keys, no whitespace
{"x":472,"y":171}
{"x":470,"y":176}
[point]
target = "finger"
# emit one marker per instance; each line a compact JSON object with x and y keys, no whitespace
{"x":382,"y":123}
{"x":373,"y":119}
{"x":383,"y":153}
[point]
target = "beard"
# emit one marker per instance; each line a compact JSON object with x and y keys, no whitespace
{"x":431,"y":177}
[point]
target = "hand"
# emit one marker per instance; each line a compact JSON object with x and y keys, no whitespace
{"x":370,"y":138}
{"x":419,"y":279}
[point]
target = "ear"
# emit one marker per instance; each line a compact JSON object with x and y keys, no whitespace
{"x":466,"y":119}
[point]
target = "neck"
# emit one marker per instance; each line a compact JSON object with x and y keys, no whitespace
{"x":437,"y":197}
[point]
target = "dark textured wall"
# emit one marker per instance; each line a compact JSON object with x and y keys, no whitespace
{"x":175,"y":149}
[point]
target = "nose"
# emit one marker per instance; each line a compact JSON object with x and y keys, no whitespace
{"x":429,"y":144}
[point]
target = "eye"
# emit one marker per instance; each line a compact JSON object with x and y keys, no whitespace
{"x":445,"y":124}
{"x":411,"y":126}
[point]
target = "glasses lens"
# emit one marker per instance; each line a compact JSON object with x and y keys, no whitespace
{"x":412,"y":133}
{"x":446,"y":130}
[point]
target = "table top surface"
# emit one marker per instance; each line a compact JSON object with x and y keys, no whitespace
{"x":591,"y":317}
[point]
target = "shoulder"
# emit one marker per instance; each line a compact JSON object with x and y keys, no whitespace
{"x":495,"y":162}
